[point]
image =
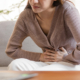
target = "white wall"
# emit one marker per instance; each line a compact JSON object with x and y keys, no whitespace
{"x":6,"y":4}
{"x":77,"y":3}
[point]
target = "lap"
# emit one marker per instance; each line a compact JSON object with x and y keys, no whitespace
{"x":24,"y":64}
{"x":27,"y":61}
{"x":60,"y":66}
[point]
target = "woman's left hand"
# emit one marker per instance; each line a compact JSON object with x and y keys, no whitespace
{"x":57,"y":55}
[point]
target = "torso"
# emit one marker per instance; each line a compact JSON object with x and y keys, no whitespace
{"x":45,"y":26}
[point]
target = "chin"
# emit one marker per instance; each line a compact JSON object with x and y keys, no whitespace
{"x":36,"y":11}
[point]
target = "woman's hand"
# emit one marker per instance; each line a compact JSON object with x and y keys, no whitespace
{"x":52,"y":55}
{"x":45,"y":57}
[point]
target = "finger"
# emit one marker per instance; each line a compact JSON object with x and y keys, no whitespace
{"x":48,"y":60}
{"x":52,"y":61}
{"x":55,"y":57}
{"x":50,"y":51}
{"x":49,"y":57}
{"x":63,"y":49}
{"x":51,"y":54}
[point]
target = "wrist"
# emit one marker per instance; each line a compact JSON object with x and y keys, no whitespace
{"x":40,"y":57}
{"x":64,"y":56}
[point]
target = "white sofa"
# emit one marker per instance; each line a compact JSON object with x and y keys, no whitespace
{"x":6,"y":29}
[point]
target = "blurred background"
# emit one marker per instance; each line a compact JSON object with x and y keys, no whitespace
{"x":10,"y":9}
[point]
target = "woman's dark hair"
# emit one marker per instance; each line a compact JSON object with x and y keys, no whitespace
{"x":56,"y":3}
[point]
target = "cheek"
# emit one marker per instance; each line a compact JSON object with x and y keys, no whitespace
{"x":47,"y":3}
{"x":44,"y":4}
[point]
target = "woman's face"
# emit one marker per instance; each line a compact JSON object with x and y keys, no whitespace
{"x":41,"y":5}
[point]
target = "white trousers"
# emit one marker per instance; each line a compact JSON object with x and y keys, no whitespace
{"x":23,"y":64}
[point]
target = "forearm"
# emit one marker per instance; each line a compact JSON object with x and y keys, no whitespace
{"x":73,"y":22}
{"x":19,"y":53}
{"x":73,"y":57}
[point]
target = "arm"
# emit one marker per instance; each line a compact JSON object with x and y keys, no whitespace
{"x":72,"y":19}
{"x":15,"y":43}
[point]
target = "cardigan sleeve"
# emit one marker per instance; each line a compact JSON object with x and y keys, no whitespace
{"x":14,"y":45}
{"x":72,"y":19}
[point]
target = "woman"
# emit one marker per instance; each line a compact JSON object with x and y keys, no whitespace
{"x":54,"y":25}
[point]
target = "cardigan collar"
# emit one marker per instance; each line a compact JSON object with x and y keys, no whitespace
{"x":54,"y":34}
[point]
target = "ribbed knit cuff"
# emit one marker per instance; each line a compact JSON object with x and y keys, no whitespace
{"x":34,"y":56}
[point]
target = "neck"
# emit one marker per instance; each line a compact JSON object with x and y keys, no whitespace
{"x":46,"y":15}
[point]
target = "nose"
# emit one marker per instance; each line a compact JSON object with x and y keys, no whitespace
{"x":35,"y":1}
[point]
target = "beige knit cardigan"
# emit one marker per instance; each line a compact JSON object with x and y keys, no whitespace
{"x":64,"y":32}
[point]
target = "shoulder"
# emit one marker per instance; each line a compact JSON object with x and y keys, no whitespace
{"x":68,"y":8}
{"x":67,"y":5}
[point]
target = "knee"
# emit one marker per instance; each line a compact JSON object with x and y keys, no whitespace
{"x":14,"y":65}
{"x":17,"y":65}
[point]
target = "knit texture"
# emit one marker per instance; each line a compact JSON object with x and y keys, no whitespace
{"x":64,"y":32}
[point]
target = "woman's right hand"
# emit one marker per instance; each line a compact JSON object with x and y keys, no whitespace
{"x":45,"y":57}
{"x":52,"y":55}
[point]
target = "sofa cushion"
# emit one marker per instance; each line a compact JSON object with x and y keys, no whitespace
{"x":6,"y":29}
{"x":3,"y":68}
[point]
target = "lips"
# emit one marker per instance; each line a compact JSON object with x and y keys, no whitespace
{"x":35,"y":7}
